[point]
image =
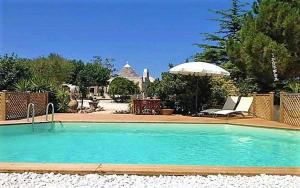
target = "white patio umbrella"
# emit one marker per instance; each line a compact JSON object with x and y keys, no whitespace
{"x":199,"y":69}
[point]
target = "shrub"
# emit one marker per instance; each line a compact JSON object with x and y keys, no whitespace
{"x":179,"y":92}
{"x":23,"y":85}
{"x":121,"y":89}
{"x":57,"y":95}
{"x":293,"y":86}
{"x":221,"y":88}
{"x":12,"y":70}
{"x":63,"y":99}
{"x":247,"y":86}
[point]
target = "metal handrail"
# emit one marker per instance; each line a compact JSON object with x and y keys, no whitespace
{"x":28,"y":112}
{"x":47,"y":109}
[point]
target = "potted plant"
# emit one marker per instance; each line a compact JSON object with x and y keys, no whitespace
{"x":167,"y":107}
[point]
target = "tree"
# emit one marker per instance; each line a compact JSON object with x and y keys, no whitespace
{"x":272,"y":29}
{"x":106,"y":63}
{"x":122,"y":88}
{"x":98,"y":74}
{"x":53,"y":67}
{"x":92,"y":74}
{"x":12,"y":70}
{"x":83,"y":80}
{"x":230,"y":22}
{"x":78,"y":66}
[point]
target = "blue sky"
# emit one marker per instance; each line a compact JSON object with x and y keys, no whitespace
{"x":147,"y":33}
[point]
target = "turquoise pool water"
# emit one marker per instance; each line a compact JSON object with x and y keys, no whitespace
{"x":146,"y":143}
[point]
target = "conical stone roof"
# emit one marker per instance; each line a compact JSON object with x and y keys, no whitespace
{"x":127,"y":71}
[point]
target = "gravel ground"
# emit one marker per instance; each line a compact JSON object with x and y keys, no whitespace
{"x":109,"y":106}
{"x":93,"y":180}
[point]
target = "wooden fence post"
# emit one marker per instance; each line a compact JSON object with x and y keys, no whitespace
{"x":254,"y":104}
{"x":272,"y":106}
{"x":281,"y":118}
{"x":2,"y":106}
{"x":28,"y":96}
{"x":47,"y":98}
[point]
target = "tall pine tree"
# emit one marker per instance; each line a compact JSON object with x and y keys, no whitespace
{"x":271,"y":30}
{"x":229,"y":21}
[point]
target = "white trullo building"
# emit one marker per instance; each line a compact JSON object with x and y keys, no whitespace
{"x":129,"y":73}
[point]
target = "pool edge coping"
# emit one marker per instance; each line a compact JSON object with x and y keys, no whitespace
{"x":291,"y":128}
{"x":151,"y":170}
{"x":87,"y":168}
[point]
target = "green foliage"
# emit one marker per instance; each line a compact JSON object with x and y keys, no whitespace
{"x":39,"y":84}
{"x":46,"y":74}
{"x":36,"y":84}
{"x":91,"y":74}
{"x":63,"y":99}
{"x":167,"y":89}
{"x":23,"y":85}
{"x":122,"y":88}
{"x":245,"y":84}
{"x":221,"y":88}
{"x":293,"y":86}
{"x":83,"y":80}
{"x":230,"y":22}
{"x":246,"y":42}
{"x":180,"y":91}
{"x":54,"y":67}
{"x":12,"y":70}
{"x":78,"y":65}
{"x":105,"y":62}
{"x":97,"y":74}
{"x":272,"y":28}
{"x":57,"y":95}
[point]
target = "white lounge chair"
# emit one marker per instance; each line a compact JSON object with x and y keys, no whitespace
{"x":230,"y":104}
{"x":243,"y":106}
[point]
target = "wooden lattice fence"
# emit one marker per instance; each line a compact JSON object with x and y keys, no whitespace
{"x":16,"y":105}
{"x":263,"y":105}
{"x":40,"y":101}
{"x":2,"y":106}
{"x":290,"y":108}
{"x":13,"y":105}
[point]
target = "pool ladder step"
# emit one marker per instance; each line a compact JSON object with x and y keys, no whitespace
{"x":29,"y":107}
{"x":52,"y":112}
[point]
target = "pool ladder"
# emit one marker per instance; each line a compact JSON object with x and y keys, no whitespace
{"x":52,"y":112}
{"x":29,"y":107}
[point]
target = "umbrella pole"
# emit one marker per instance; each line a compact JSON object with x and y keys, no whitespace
{"x":197,"y":96}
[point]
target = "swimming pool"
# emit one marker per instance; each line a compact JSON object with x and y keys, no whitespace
{"x":150,"y":143}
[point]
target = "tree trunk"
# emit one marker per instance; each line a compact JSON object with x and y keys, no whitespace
{"x":81,"y":102}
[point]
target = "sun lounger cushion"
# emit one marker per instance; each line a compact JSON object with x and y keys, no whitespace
{"x":243,"y":106}
{"x":230,"y":104}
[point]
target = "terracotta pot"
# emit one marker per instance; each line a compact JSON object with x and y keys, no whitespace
{"x":73,"y":104}
{"x":166,"y":111}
